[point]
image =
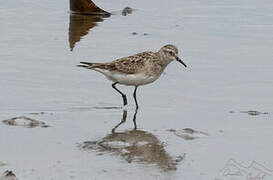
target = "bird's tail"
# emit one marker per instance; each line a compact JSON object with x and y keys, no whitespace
{"x":88,"y":65}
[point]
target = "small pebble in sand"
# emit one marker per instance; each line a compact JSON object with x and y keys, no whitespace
{"x":105,"y":171}
{"x":171,"y":130}
{"x":37,"y":113}
{"x":25,"y":122}
{"x":254,"y":113}
{"x":144,"y":34}
{"x":188,"y":133}
{"x":127,"y":10}
{"x":8,"y":175}
{"x":189,"y":130}
{"x":180,"y":158}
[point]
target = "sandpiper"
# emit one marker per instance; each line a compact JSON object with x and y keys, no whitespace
{"x":136,"y":70}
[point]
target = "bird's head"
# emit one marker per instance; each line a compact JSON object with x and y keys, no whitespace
{"x":169,"y":53}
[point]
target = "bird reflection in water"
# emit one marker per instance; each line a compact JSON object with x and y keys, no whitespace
{"x":124,"y":117}
{"x":79,"y":26}
{"x":134,"y":146}
{"x":84,"y":15}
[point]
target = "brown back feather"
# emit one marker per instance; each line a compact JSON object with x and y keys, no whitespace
{"x":130,"y":65}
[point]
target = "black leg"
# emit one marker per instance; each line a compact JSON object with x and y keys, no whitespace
{"x":123,"y":95}
{"x":135,"y":97}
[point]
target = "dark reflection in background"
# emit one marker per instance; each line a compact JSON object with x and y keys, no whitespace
{"x":84,"y":16}
{"x":134,"y":146}
{"x":87,"y":7}
{"x":79,"y":26}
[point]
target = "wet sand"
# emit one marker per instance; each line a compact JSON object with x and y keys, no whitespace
{"x":225,"y":93}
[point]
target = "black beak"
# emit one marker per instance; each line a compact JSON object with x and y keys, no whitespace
{"x":179,"y":60}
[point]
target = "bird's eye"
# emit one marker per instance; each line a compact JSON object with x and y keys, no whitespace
{"x":171,"y":53}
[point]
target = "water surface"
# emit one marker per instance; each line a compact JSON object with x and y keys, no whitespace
{"x":227,"y":46}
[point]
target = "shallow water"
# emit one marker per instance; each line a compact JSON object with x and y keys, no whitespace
{"x":227,"y":46}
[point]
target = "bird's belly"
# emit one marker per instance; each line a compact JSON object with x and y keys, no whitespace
{"x":132,"y":79}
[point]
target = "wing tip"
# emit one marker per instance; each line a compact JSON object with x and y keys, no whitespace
{"x":82,"y":66}
{"x":87,"y":63}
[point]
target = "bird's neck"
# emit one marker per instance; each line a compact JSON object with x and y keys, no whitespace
{"x":162,"y":60}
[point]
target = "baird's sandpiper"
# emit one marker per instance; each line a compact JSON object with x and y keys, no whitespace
{"x":136,"y":70}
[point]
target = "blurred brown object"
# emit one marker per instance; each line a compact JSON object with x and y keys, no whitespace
{"x":126,"y":10}
{"x":79,"y":26}
{"x":84,"y":16}
{"x":87,"y":7}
